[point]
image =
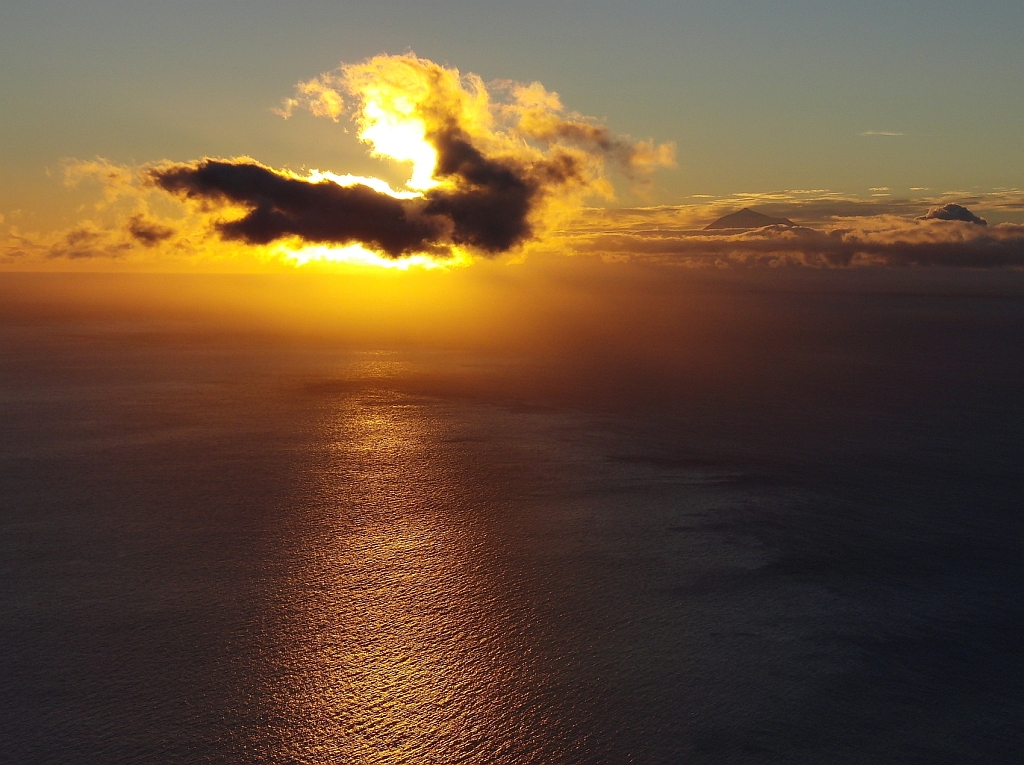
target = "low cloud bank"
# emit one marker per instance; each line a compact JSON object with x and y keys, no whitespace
{"x":880,"y":240}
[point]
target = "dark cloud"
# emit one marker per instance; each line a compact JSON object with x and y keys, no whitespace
{"x":486,"y":204}
{"x":491,"y":202}
{"x":282,"y":206}
{"x":953,"y":212}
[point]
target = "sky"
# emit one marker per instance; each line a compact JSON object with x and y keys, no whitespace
{"x":905,"y":104}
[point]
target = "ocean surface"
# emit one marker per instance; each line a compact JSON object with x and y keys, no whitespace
{"x":790,"y":537}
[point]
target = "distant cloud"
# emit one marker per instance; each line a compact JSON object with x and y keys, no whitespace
{"x":953,"y":212}
{"x":879,"y":188}
{"x":889,"y":133}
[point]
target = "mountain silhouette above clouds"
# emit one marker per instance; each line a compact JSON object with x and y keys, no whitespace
{"x":747,"y":218}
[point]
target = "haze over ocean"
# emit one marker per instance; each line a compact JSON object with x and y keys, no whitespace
{"x":755,"y":532}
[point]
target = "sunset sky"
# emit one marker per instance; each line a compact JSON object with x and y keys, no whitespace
{"x":814,"y":111}
{"x":511,"y":382}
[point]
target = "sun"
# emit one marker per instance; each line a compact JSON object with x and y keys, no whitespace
{"x":391,"y":127}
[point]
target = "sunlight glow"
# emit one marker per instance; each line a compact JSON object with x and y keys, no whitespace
{"x":391,"y":126}
{"x":357,"y":255}
{"x":377,"y":184}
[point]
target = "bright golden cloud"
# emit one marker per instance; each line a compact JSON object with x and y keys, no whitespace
{"x":491,"y":168}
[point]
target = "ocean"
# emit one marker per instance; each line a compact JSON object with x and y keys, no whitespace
{"x":758,"y":525}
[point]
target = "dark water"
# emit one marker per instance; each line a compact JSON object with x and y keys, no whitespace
{"x":793,"y":541}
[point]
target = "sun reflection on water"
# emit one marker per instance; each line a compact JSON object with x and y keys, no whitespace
{"x":400,"y":649}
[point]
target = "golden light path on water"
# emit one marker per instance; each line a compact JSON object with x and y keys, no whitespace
{"x":399,"y":645}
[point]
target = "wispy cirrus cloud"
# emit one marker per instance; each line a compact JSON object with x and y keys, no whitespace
{"x":885,"y":133}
